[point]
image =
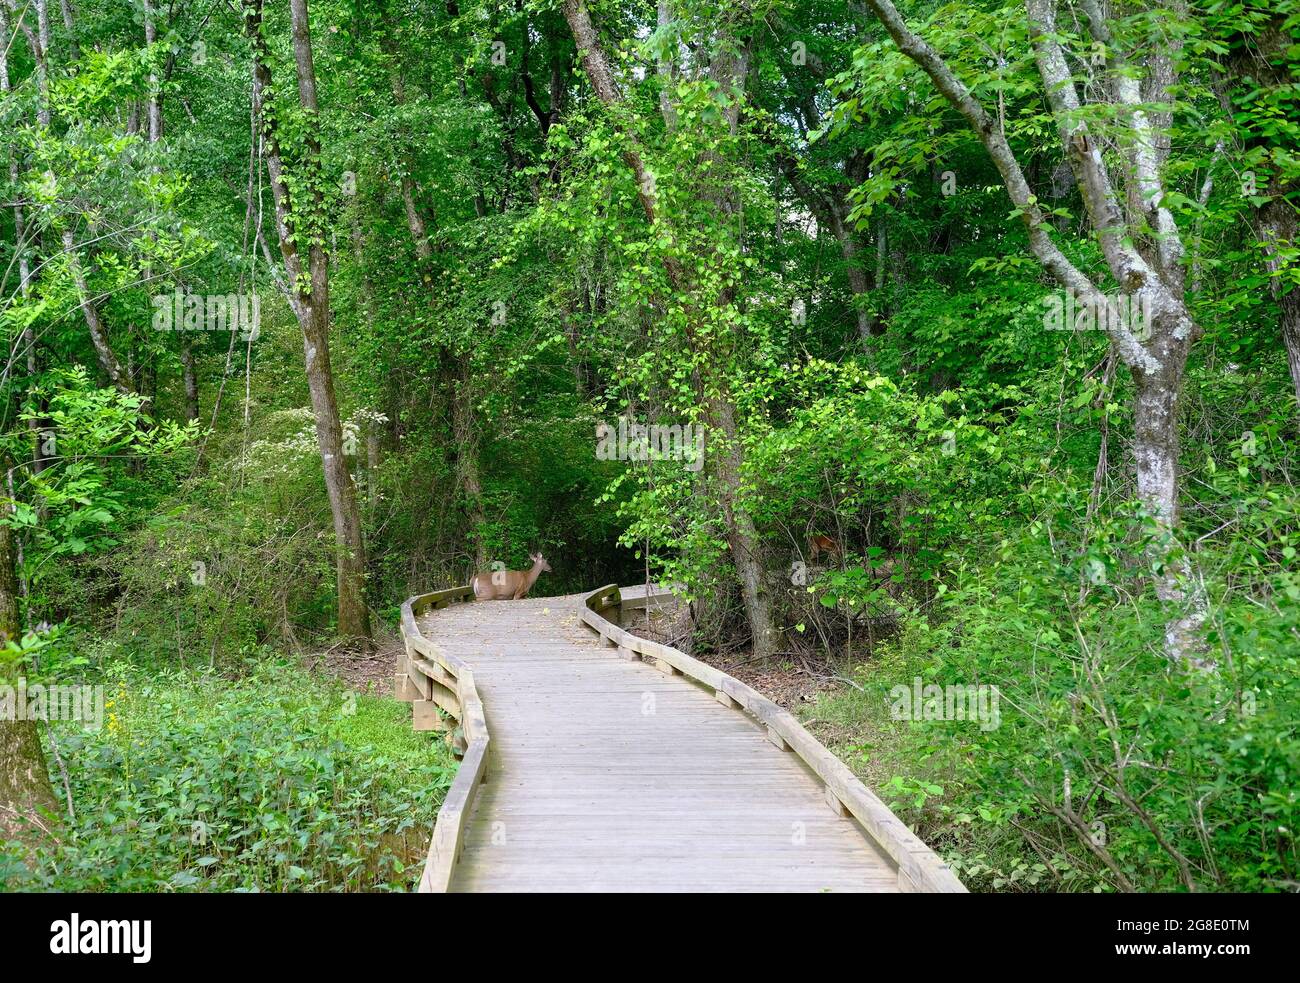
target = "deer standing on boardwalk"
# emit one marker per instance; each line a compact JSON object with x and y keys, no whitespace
{"x":497,"y":585}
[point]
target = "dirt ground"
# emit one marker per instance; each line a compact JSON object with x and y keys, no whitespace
{"x":366,"y":672}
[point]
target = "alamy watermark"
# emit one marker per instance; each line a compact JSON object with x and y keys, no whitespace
{"x":1064,"y":310}
{"x":631,"y":441}
{"x":952,"y":702}
{"x":179,"y":311}
{"x":77,"y":936}
{"x":53,"y":701}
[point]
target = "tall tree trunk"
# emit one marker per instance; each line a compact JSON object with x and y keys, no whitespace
{"x":1275,"y":221}
{"x":1156,"y":451}
{"x":455,"y":370}
{"x":69,"y":25}
{"x":1260,"y":65}
{"x":1144,"y":255}
{"x":728,"y":70}
{"x":155,"y":97}
{"x":39,"y":48}
{"x":832,"y":210}
{"x":859,"y":280}
{"x":742,"y":538}
{"x":28,"y":337}
{"x":310,"y":301}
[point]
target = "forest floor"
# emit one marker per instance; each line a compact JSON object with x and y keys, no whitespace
{"x":366,"y":672}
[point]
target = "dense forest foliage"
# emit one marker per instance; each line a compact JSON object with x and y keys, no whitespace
{"x":964,"y":340}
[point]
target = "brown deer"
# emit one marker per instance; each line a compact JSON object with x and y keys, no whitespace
{"x":497,"y":585}
{"x":818,"y":545}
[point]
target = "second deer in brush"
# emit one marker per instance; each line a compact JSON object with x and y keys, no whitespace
{"x":818,"y":545}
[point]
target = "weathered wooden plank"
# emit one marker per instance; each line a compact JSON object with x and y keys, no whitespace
{"x":424,"y":716}
{"x":448,"y":831}
{"x":404,"y":690}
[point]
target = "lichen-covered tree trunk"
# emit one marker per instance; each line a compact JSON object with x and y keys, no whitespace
{"x":1143,"y":252}
{"x":1155,"y":452}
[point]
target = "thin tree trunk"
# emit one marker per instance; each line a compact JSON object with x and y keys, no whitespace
{"x":191,"y":381}
{"x":28,"y":336}
{"x":1259,"y":64}
{"x":108,"y":361}
{"x":39,"y":48}
{"x":414,"y":220}
{"x":859,"y":281}
{"x":155,"y":96}
{"x":832,"y":211}
{"x":69,"y":24}
{"x":465,"y":434}
{"x":1276,"y":227}
{"x":456,"y":372}
{"x":742,"y":537}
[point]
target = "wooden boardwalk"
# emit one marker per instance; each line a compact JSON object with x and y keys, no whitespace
{"x":608,"y":774}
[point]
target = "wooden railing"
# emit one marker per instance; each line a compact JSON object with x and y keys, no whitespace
{"x":431,"y":680}
{"x":919,"y":867}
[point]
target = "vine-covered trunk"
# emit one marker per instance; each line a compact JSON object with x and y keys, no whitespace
{"x":742,"y":538}
{"x":350,"y":556}
{"x":27,"y":804}
{"x":727,"y":461}
{"x":310,"y":302}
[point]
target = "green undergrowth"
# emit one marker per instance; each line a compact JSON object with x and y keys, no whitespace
{"x":276,"y":781}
